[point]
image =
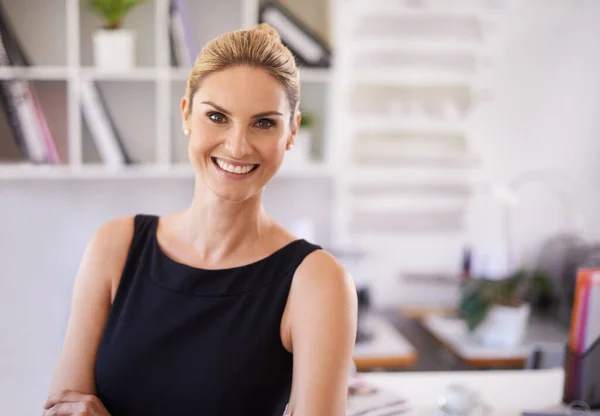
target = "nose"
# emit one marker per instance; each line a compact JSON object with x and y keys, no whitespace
{"x":236,"y":143}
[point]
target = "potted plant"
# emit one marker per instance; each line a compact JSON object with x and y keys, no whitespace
{"x":497,"y":311}
{"x":114,"y":46}
{"x":301,"y":153}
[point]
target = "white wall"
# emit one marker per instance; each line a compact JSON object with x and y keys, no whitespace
{"x":543,"y":116}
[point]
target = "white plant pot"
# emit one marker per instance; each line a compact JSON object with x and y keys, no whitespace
{"x":299,"y":155}
{"x":503,"y":326}
{"x":114,"y":50}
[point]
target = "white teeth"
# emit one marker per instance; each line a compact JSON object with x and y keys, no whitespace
{"x":234,"y":169}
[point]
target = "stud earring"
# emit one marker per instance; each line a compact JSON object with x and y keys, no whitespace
{"x":186,"y":132}
{"x":289,"y":146}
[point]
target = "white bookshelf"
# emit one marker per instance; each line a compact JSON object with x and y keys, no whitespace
{"x":143,"y":102}
{"x":406,"y":76}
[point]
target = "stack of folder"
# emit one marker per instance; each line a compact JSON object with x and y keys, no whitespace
{"x":582,"y":364}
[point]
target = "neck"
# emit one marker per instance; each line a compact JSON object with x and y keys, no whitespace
{"x":218,"y":227}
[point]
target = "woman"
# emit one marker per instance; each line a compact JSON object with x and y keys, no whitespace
{"x":200,"y":312}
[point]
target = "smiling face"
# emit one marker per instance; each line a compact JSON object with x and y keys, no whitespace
{"x":239,"y":129}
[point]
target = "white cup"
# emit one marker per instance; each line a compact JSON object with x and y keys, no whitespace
{"x":459,"y":400}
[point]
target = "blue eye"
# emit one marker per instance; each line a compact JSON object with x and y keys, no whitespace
{"x":265,"y":123}
{"x":217,"y":117}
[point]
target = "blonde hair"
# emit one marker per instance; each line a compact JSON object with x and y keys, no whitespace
{"x":260,"y":47}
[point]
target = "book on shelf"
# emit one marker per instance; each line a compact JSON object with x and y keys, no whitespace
{"x":104,"y":132}
{"x":20,"y":103}
{"x":9,"y":149}
{"x":12,"y":118}
{"x":184,"y":47}
{"x":309,"y":49}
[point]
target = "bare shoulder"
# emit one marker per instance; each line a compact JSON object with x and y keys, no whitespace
{"x":110,"y":243}
{"x":116,"y":233}
{"x":320,"y":270}
{"x":324,"y":285}
{"x":107,"y":250}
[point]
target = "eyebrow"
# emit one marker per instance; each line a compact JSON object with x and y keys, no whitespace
{"x":222,"y":110}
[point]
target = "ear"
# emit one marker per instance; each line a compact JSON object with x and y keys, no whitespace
{"x":295,"y":127}
{"x":185,"y":116}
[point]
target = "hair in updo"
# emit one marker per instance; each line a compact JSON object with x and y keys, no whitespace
{"x":260,"y":47}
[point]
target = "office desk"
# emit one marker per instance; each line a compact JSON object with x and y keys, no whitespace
{"x":387,"y":349}
{"x":451,"y":333}
{"x":508,"y":392}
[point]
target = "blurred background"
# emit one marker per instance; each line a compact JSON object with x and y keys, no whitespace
{"x":445,"y":142}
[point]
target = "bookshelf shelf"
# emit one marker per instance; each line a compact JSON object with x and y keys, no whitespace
{"x":51,"y":73}
{"x":414,"y":78}
{"x":382,"y":124}
{"x":137,"y":74}
{"x":441,"y":8}
{"x":378,"y":44}
{"x":377,"y":176}
{"x":411,"y":159}
{"x":26,"y":171}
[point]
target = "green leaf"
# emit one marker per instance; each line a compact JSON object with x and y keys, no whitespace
{"x":306,"y":120}
{"x":478,"y":295}
{"x":474,"y":311}
{"x":113,"y":11}
{"x":542,"y":284}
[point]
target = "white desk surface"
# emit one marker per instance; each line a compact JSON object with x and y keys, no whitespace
{"x":453,"y":332}
{"x":508,"y":392}
{"x":387,"y":347}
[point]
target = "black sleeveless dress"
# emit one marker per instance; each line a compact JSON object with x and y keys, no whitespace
{"x":186,"y":341}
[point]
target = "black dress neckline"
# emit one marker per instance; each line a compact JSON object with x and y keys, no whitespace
{"x":185,"y":279}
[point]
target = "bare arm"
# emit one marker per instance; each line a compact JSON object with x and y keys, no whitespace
{"x":96,"y":280}
{"x":323,"y":309}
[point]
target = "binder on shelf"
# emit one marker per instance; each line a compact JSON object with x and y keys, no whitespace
{"x":184,"y":47}
{"x":10,"y":110}
{"x":305,"y":44}
{"x":29,"y":126}
{"x":104,"y":132}
{"x":20,"y":110}
{"x":9,"y":149}
{"x":582,"y":355}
